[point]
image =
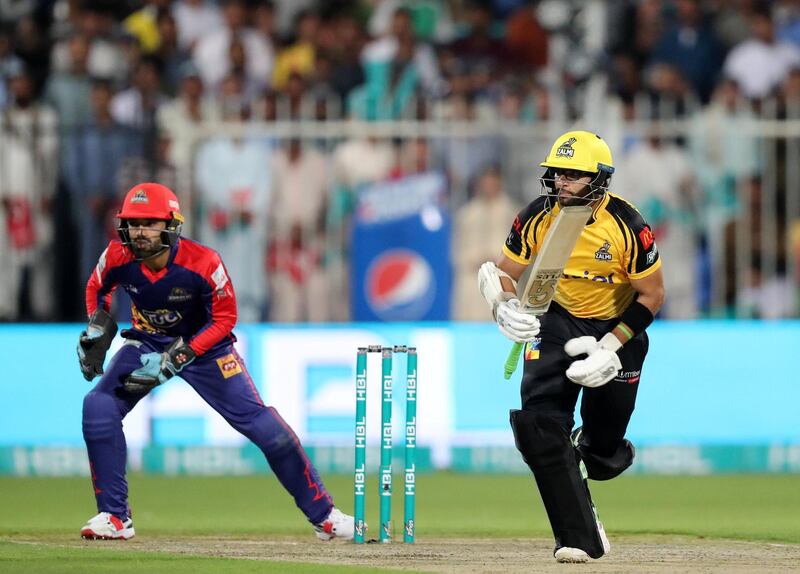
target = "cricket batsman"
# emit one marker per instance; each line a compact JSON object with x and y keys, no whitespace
{"x":184,"y":311}
{"x":591,"y":339}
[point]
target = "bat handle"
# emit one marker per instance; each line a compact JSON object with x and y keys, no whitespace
{"x":512,"y":360}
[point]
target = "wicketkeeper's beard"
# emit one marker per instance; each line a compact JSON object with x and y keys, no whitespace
{"x":144,"y":247}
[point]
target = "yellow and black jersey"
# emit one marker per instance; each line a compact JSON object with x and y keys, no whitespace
{"x":616,"y":246}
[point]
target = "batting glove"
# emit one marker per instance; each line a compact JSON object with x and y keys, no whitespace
{"x":600,"y":366}
{"x":518,"y":326}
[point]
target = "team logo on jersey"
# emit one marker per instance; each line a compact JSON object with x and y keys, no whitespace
{"x":140,"y":196}
{"x":229,"y":366}
{"x":565,"y":149}
{"x":179,"y":295}
{"x":651,"y":256}
{"x":603,"y":254}
{"x":646,"y":237}
{"x":161,"y":318}
{"x":532,"y":349}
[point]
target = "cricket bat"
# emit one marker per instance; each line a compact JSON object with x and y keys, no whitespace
{"x":537,"y":284}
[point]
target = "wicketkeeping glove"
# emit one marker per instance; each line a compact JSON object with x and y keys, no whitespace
{"x":94,"y":342}
{"x":157,"y":368}
{"x":602,"y":363}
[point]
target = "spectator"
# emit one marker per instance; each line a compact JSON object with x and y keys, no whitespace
{"x":31,"y":45}
{"x":298,"y":58}
{"x":183,"y":118}
{"x":7,"y":59}
{"x":136,"y":107}
{"x":68,"y":91}
{"x":526,"y":42}
{"x":413,"y":157}
{"x":638,"y":27}
{"x":525,"y":104}
{"x":136,"y":169}
{"x":400,"y":47}
{"x":195,"y":19}
{"x":432,"y":21}
{"x":212,"y":52}
{"x":171,"y":57}
{"x":724,"y":156}
{"x":671,"y":95}
{"x":761,"y":63}
{"x":465,"y":157}
{"x":757,"y":282}
{"x":730,"y":21}
{"x":390,"y":87}
{"x":341,"y":37}
{"x":356,"y":163}
{"x":263,"y":16}
{"x":691,"y":46}
{"x":655,"y":175}
{"x":787,"y":21}
{"x":106,"y":53}
{"x":94,"y":153}
{"x":143,"y":24}
{"x":297,"y":212}
{"x":483,"y":56}
{"x":479,"y":226}
{"x":233,"y":186}
{"x":252,"y":87}
{"x":28,"y":168}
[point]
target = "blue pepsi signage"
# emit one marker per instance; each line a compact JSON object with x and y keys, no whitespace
{"x":400,"y":284}
{"x":401,"y":251}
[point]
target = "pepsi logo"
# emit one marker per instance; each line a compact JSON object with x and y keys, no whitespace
{"x":400,"y":285}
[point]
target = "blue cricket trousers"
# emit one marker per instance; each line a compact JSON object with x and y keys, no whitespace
{"x":221,"y":379}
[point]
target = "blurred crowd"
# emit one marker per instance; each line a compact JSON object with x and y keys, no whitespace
{"x":246,"y":108}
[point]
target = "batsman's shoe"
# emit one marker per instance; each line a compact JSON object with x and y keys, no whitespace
{"x":106,"y":526}
{"x":569,"y":555}
{"x":337,"y":525}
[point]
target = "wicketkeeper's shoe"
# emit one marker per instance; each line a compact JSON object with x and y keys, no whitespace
{"x":337,"y":525}
{"x":566,"y":554}
{"x":106,"y":526}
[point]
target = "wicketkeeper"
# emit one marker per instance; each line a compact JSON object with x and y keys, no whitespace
{"x":184,"y":311}
{"x":592,"y":338}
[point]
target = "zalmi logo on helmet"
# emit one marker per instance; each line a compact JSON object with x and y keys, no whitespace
{"x":565,"y":149}
{"x":140,"y":197}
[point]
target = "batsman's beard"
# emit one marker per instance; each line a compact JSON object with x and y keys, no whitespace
{"x":584,"y":197}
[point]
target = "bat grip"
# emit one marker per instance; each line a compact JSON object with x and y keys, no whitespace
{"x":512,"y":360}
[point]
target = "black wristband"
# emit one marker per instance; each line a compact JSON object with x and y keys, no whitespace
{"x":637,"y":318}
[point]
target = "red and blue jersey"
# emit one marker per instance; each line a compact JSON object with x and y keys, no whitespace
{"x":192,"y":297}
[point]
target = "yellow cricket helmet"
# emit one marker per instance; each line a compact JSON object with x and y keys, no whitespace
{"x":582,"y":151}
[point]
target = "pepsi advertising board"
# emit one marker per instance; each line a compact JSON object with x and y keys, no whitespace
{"x":400,"y":257}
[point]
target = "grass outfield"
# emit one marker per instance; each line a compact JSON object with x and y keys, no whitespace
{"x":51,"y":510}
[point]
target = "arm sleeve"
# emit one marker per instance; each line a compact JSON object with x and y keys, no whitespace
{"x":102,"y":283}
{"x":520,"y":245}
{"x":220,"y":302}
